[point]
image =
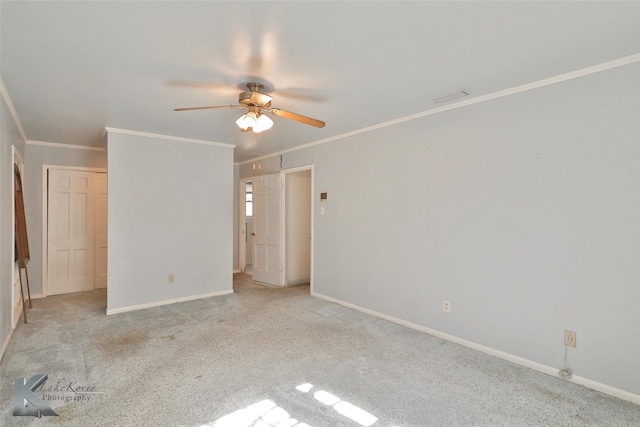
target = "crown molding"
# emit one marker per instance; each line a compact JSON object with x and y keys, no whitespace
{"x":167,"y":137}
{"x":12,"y":110}
{"x":608,"y":65}
{"x":68,"y":146}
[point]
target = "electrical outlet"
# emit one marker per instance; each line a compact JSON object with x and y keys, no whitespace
{"x":446,"y":306}
{"x":570,"y":338}
{"x":171,"y":278}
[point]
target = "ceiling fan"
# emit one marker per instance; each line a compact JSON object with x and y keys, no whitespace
{"x":258,"y":102}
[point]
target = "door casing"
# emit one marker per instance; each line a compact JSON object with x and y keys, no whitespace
{"x":283,"y":202}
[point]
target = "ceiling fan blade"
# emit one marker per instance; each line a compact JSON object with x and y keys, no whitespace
{"x":297,"y":117}
{"x":208,"y":108}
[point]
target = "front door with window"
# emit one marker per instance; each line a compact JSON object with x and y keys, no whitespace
{"x":266,"y":229}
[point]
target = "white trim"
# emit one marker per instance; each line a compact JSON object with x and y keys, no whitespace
{"x":168,"y":137}
{"x":45,"y":217}
{"x":283,"y":221}
{"x":69,"y":146}
{"x":17,"y":154}
{"x":626,"y":60}
{"x":586,"y":382}
{"x":5,"y":344}
{"x":236,"y":271}
{"x":297,"y":169}
{"x":167,"y":302}
{"x":12,"y":110}
{"x":14,"y":316}
{"x":75,"y":168}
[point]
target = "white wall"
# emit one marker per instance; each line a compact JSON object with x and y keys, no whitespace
{"x":36,"y":156}
{"x":170,"y":212}
{"x":9,"y":135}
{"x":523,"y":211}
{"x":298,"y":227}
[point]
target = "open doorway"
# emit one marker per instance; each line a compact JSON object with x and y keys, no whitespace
{"x":297,"y":227}
{"x":276,"y":227}
{"x":245,"y":240}
{"x":248,"y":226}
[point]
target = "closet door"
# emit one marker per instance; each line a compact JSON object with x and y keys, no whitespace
{"x":71,"y":238}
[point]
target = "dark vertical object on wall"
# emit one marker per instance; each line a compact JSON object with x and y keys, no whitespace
{"x":22,"y":242}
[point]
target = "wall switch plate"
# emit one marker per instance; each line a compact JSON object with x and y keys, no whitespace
{"x":171,"y":278}
{"x":570,"y":338}
{"x":446,"y":306}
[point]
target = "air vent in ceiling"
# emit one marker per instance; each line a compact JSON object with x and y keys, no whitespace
{"x":451,"y":97}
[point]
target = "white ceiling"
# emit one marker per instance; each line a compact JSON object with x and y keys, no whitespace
{"x":74,"y":68}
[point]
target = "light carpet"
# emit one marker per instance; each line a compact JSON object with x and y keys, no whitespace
{"x":274,"y":357}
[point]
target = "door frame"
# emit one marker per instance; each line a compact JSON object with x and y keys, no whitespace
{"x":242,"y":219}
{"x":45,"y":216}
{"x":283,"y":223}
{"x":242,"y":261}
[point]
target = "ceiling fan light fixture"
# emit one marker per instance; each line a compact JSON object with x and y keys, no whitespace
{"x":263,"y":123}
{"x":250,"y":119}
{"x":254,"y":122}
{"x":241,"y":124}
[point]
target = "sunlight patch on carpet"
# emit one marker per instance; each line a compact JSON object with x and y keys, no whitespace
{"x":265,"y":413}
{"x":343,"y":407}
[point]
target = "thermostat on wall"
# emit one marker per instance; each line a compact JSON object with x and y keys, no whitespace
{"x":323,"y":196}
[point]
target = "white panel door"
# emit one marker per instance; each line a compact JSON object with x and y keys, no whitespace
{"x":266,"y":229}
{"x":70,"y":231}
{"x":101,"y":231}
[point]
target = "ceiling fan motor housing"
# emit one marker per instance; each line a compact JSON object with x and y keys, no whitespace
{"x":254,"y":97}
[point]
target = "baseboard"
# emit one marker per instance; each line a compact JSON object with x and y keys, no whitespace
{"x":166,"y":302}
{"x":586,"y":382}
{"x":6,"y":344}
{"x":236,"y":271}
{"x":38,"y":296}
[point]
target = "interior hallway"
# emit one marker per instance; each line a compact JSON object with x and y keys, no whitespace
{"x":264,"y":357}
